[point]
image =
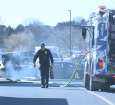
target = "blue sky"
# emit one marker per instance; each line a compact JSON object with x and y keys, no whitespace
{"x":49,"y":12}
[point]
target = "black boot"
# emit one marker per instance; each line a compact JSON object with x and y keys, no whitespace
{"x":42,"y":86}
{"x":46,"y":85}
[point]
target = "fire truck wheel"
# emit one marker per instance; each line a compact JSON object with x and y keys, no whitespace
{"x":92,"y":85}
{"x":86,"y":81}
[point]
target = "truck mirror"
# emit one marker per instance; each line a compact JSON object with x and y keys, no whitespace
{"x":84,"y":30}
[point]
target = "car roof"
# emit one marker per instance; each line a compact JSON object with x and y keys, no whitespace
{"x":62,"y":62}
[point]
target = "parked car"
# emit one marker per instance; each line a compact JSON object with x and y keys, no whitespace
{"x":80,"y":70}
{"x":18,"y":58}
{"x":55,"y":57}
{"x":1,"y":65}
{"x":63,"y":69}
{"x":11,"y":58}
{"x":26,"y":57}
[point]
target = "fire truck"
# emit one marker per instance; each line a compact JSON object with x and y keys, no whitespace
{"x":99,"y":35}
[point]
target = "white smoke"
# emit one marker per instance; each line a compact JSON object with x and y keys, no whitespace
{"x":21,"y":72}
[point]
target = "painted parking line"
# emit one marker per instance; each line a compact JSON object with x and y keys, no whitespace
{"x":104,"y":99}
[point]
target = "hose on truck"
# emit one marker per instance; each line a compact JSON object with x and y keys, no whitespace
{"x":75,"y":70}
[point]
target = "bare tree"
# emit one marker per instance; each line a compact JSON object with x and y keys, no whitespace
{"x":30,"y":21}
{"x":20,"y":42}
{"x":78,"y":19}
{"x":61,"y":38}
{"x":1,"y":30}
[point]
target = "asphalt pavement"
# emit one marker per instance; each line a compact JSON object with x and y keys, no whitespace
{"x":31,"y":93}
{"x":28,"y":91}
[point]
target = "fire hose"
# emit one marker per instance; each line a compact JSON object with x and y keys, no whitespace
{"x":75,"y":70}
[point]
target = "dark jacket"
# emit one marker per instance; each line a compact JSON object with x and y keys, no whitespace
{"x":44,"y":57}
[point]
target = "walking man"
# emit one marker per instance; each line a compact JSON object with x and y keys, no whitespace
{"x":44,"y":59}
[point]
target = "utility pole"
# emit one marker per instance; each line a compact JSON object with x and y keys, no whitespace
{"x":70,"y":32}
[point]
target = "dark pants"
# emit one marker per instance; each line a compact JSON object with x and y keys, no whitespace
{"x":44,"y":75}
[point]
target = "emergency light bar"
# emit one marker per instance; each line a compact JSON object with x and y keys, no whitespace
{"x":54,"y":49}
{"x":102,"y":7}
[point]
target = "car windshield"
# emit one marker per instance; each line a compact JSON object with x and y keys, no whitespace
{"x":27,"y":54}
{"x":55,"y":55}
